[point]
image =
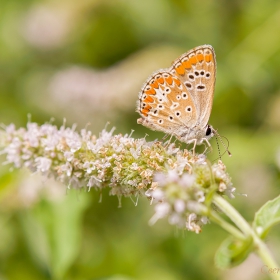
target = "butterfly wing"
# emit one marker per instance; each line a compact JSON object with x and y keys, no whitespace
{"x":165,"y":104}
{"x":196,"y":69}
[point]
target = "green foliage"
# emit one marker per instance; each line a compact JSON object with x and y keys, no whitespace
{"x":52,"y":231}
{"x":232,"y":252}
{"x":267,"y":217}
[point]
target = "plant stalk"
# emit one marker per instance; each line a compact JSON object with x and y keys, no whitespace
{"x":260,"y":247}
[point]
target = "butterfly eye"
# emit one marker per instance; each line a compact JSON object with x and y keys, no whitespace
{"x":184,"y":95}
{"x":171,"y":118}
{"x":167,"y":90}
{"x":160,"y":121}
{"x":178,"y":97}
{"x":202,"y":73}
{"x":188,"y":109}
{"x":178,"y":114}
{"x":196,"y":73}
{"x":160,"y":106}
{"x":155,"y":112}
{"x":208,"y":131}
{"x":165,"y":75}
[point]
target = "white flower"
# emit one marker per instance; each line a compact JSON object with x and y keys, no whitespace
{"x":93,"y":182}
{"x":171,"y":149}
{"x":156,"y":194}
{"x":201,"y":159}
{"x":204,"y":220}
{"x":133,"y":183}
{"x":43,"y":164}
{"x":32,"y":134}
{"x":134,"y":153}
{"x":68,"y":155}
{"x":200,"y":196}
{"x":179,"y":205}
{"x":72,"y":140}
{"x":66,"y":168}
{"x":89,"y":166}
{"x":160,"y":178}
{"x":175,"y":219}
{"x":172,"y":176}
{"x":176,"y":183}
{"x":13,"y":152}
{"x":187,"y":180}
{"x":161,"y":210}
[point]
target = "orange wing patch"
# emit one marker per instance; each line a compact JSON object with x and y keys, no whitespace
{"x":150,"y":91}
{"x":160,"y":80}
{"x":169,"y":80}
{"x":208,"y":57}
{"x":187,"y":64}
{"x":200,"y":57}
{"x":180,"y":69}
{"x":193,"y":59}
{"x":148,"y":99}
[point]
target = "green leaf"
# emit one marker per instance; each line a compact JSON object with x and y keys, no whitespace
{"x":267,"y":216}
{"x":53,"y":232}
{"x":232,"y":252}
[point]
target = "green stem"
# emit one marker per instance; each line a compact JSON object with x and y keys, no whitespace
{"x":226,"y":226}
{"x":266,"y":256}
{"x":240,"y":222}
{"x":230,"y":211}
{"x":220,"y":221}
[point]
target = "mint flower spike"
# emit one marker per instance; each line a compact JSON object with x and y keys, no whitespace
{"x":182,"y":187}
{"x":178,"y":183}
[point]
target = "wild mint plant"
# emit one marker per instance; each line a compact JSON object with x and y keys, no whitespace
{"x":183,"y":187}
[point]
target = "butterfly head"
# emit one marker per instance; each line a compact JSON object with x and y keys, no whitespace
{"x":209,"y":131}
{"x":197,"y":135}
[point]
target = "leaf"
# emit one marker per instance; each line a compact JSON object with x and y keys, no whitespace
{"x":232,"y":252}
{"x":267,"y":216}
{"x":53,"y":232}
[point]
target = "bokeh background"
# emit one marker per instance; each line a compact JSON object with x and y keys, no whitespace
{"x":86,"y":61}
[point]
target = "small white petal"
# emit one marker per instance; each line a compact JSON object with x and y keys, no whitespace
{"x":179,"y":206}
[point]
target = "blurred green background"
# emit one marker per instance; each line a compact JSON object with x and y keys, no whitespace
{"x":86,"y":61}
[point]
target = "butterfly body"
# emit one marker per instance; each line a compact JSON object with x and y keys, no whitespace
{"x":178,"y":100}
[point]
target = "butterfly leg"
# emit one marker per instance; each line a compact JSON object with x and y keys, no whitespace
{"x":194,"y":141}
{"x":167,"y":143}
{"x":164,"y":138}
{"x":207,"y":146}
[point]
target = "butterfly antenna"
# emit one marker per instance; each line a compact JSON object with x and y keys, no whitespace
{"x":223,"y":143}
{"x":219,"y":151}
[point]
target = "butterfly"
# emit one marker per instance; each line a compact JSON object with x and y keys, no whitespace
{"x":178,"y":100}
